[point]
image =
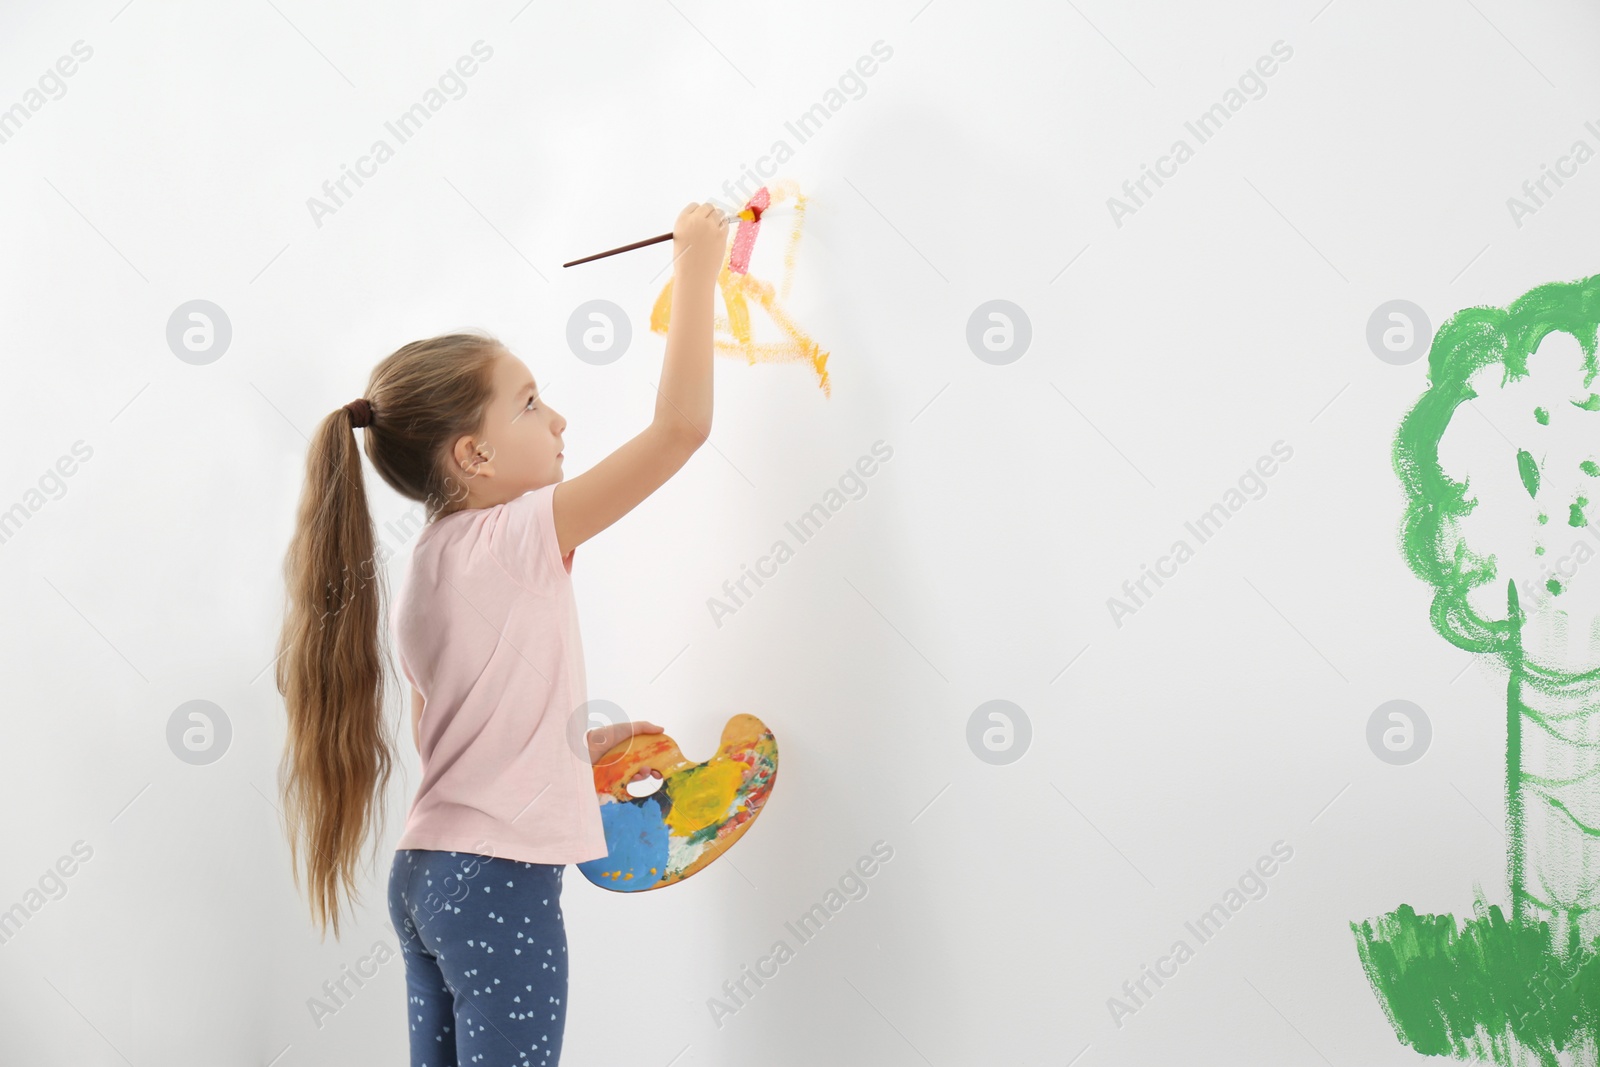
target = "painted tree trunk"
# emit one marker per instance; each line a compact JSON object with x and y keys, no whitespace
{"x":1553,"y":775}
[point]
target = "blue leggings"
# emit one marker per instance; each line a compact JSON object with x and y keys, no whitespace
{"x":486,"y":958}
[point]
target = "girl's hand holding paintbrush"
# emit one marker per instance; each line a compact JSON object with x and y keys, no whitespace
{"x":699,"y":242}
{"x":750,"y":213}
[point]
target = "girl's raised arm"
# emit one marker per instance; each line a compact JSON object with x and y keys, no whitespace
{"x":588,"y":503}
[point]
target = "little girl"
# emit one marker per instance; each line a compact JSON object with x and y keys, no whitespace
{"x":487,"y":635}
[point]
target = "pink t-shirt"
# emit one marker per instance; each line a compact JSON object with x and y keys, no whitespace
{"x":486,"y":629}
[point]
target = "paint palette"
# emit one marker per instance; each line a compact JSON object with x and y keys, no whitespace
{"x":665,"y":817}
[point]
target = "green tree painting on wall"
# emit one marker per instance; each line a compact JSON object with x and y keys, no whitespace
{"x":1497,"y":519}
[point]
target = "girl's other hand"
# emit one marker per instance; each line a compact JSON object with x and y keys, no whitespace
{"x":699,"y":242}
{"x":603,"y":739}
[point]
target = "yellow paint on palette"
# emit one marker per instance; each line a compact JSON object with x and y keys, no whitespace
{"x":703,"y":796}
{"x":734,"y":333}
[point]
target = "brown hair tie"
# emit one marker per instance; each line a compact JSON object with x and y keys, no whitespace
{"x":360,"y":412}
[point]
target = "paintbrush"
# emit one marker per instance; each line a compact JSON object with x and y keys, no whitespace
{"x":749,"y":214}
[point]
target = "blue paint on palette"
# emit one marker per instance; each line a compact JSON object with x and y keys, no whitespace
{"x":636,"y":837}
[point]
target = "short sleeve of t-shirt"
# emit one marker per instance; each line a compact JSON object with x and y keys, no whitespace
{"x":523,"y":537}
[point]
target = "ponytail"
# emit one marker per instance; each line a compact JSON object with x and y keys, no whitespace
{"x":332,"y":673}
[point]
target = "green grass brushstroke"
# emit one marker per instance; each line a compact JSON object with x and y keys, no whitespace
{"x":1485,"y":989}
{"x":1524,"y":988}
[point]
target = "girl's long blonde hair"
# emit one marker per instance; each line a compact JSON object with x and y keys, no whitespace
{"x":333,"y":664}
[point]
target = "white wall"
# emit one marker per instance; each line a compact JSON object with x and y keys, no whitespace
{"x":1227,"y":313}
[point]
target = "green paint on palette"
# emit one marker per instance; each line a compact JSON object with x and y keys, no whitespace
{"x":1529,"y":471}
{"x":1590,"y":467}
{"x":1516,"y":984}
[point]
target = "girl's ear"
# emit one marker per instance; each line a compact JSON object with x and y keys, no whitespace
{"x":471,"y":458}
